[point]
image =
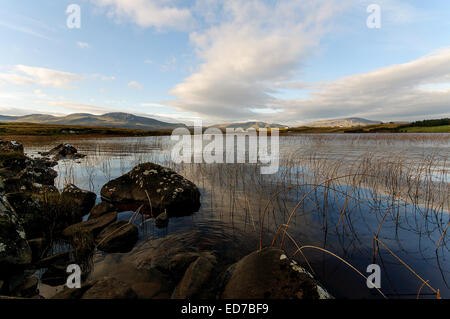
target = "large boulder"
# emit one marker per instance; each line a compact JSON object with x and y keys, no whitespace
{"x":11,"y":147}
{"x":270,"y":274}
{"x":156,"y":187}
{"x":20,"y":173}
{"x":14,"y":248}
{"x":31,"y":213}
{"x":38,"y":172}
{"x":13,"y":162}
{"x":118,"y":237}
{"x":196,"y":277}
{"x":44,"y":212}
{"x":82,"y":200}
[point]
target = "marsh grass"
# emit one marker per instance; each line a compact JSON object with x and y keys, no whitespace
{"x":381,"y":184}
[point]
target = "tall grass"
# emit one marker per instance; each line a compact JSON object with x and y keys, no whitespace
{"x":394,"y":182}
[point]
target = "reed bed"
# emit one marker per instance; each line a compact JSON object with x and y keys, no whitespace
{"x":380,"y":185}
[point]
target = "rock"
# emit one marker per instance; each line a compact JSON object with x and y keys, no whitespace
{"x":118,"y":237}
{"x":14,"y":248}
{"x":13,"y":162}
{"x":44,"y":212}
{"x":38,"y":173}
{"x":34,"y":217}
{"x":28,"y":289}
{"x":101,"y":209}
{"x":38,"y":247}
{"x":46,"y":161}
{"x":166,"y":190}
{"x":180,"y":262}
{"x":269,"y":274}
{"x":110,"y":288}
{"x":162,"y":220}
{"x":196,"y":277}
{"x":68,"y":293}
{"x":59,"y":259}
{"x":55,"y":275}
{"x":83,"y":200}
{"x":63,"y":151}
{"x":11,"y":147}
{"x":148,"y":290}
{"x":94,"y":226}
{"x":19,"y":173}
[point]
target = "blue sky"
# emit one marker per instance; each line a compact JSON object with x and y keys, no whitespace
{"x":286,"y":61}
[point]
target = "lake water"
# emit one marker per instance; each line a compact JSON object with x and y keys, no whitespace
{"x":348,"y":189}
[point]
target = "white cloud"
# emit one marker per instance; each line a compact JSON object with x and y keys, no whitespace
{"x":135,"y":84}
{"x":103,"y":77}
{"x":415,"y":89}
{"x":28,"y":75}
{"x":83,"y":45}
{"x":149,"y":13}
{"x":75,"y":107}
{"x":259,"y":44}
{"x":40,"y":94}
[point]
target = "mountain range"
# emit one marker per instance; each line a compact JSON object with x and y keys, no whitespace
{"x":347,"y":122}
{"x":247,"y":125}
{"x":130,"y":121}
{"x":117,"y":120}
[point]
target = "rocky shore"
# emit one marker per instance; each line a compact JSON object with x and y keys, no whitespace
{"x":35,"y":217}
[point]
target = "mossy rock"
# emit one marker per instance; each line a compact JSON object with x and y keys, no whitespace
{"x":14,"y":248}
{"x":156,"y":187}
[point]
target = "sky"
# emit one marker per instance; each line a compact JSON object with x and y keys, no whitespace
{"x":286,"y":61}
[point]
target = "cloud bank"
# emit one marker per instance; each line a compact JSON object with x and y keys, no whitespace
{"x":415,"y":89}
{"x":29,"y":75}
{"x":161,"y":14}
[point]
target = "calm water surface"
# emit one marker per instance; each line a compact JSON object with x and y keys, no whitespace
{"x":235,"y":197}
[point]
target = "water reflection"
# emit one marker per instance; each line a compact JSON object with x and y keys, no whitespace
{"x":358,"y":187}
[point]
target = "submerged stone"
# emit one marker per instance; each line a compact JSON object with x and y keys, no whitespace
{"x":93,"y":226}
{"x":118,"y":237}
{"x":110,"y":288}
{"x":63,"y":151}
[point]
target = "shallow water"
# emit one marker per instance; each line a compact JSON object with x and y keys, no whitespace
{"x":236,"y":198}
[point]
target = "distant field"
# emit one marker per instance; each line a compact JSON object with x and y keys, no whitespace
{"x":377,"y":128}
{"x":30,"y":129}
{"x":432,"y":129}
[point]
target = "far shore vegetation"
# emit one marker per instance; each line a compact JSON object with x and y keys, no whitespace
{"x":32,"y":129}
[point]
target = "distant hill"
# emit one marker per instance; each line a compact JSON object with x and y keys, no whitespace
{"x":347,"y":122}
{"x":247,"y":125}
{"x":116,"y":120}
